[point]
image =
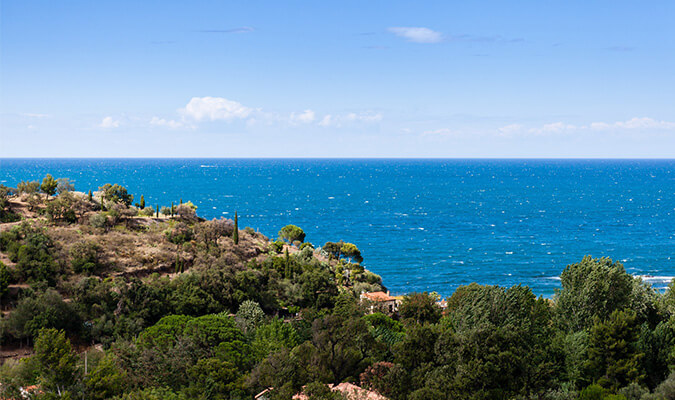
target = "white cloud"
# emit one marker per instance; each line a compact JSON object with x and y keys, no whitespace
{"x":327,"y":120}
{"x":170,"y":123}
{"x":304,"y":117}
{"x":510,"y":129}
{"x":215,"y":108}
{"x":633,"y":123}
{"x":440,"y":132}
{"x":555,"y":127}
{"x":350,"y":118}
{"x":35,"y":115}
{"x":417,"y":34}
{"x":109,"y":122}
{"x":364,"y":117}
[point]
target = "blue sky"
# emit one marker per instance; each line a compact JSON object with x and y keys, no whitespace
{"x":337,"y":79}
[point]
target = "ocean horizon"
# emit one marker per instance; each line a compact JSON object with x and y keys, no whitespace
{"x":422,"y":224}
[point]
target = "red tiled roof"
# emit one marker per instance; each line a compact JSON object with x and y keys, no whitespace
{"x":378,"y":296}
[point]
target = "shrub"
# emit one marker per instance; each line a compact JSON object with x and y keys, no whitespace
{"x":98,"y":220}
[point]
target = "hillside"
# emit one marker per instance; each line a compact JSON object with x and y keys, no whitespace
{"x":105,"y":298}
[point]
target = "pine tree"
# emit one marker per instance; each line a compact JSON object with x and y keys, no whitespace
{"x":141,"y":204}
{"x":235,"y":233}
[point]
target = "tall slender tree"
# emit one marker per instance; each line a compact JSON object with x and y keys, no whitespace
{"x":141,"y":204}
{"x":235,"y":233}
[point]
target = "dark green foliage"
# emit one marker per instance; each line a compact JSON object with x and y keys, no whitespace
{"x":49,"y":185}
{"x":6,"y":213}
{"x":141,"y":204}
{"x":613,"y":360}
{"x":235,"y":232}
{"x":46,"y":310}
{"x":157,"y":208}
{"x":292,"y":234}
{"x":591,"y":288}
{"x":105,"y":380}
{"x":55,"y":361}
{"x":90,"y":196}
{"x":592,"y":392}
{"x":4,"y":280}
{"x":420,"y":307}
{"x":84,"y":257}
{"x":31,"y":250}
{"x":116,"y":194}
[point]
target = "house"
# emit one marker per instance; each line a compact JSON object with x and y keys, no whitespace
{"x":264,"y":395}
{"x":379,"y":302}
{"x":350,"y":391}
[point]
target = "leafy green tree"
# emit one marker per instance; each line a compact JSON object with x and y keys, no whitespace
{"x":249,"y":316}
{"x":420,"y":307}
{"x":49,"y":185}
{"x":273,"y":337}
{"x":116,"y":194}
{"x":28,"y":187}
{"x":105,"y":380}
{"x":56,"y":361}
{"x":235,"y":232}
{"x":84,"y":256}
{"x":591,"y":288}
{"x":292,"y":234}
{"x":593,"y":392}
{"x":613,"y":359}
{"x":4,"y":279}
{"x":352,"y":252}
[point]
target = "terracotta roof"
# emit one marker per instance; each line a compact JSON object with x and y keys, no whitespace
{"x":377,"y":296}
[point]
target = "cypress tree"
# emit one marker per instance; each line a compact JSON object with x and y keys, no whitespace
{"x":157,"y":210}
{"x":235,"y":233}
{"x":287,"y":272}
{"x":172,"y":209}
{"x":91,"y":198}
{"x":181,"y":201}
{"x":177,"y":268}
{"x":141,"y":205}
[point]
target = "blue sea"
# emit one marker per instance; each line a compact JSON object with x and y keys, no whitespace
{"x":423,"y":225}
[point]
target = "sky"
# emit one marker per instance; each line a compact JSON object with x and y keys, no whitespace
{"x":496,"y":79}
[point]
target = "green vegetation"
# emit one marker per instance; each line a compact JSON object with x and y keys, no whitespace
{"x":184,"y":308}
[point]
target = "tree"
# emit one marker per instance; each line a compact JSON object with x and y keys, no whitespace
{"x":105,"y":380}
{"x":613,"y":359}
{"x":292,"y":234}
{"x":141,"y":204}
{"x":64,"y":185}
{"x":28,"y":187}
{"x":591,"y":288}
{"x":55,"y":360}
{"x":420,"y":307}
{"x":4,"y":279}
{"x":116,"y":194}
{"x":187,"y":212}
{"x":249,"y":316}
{"x":90,"y":196}
{"x":235,"y":232}
{"x":350,"y":251}
{"x":49,"y":185}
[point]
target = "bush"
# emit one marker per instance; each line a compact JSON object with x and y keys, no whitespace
{"x":98,"y":220}
{"x":84,"y":257}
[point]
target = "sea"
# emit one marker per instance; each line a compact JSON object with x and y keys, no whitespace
{"x":422,"y":224}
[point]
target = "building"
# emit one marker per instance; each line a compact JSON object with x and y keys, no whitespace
{"x":350,"y":391}
{"x":380,"y":302}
